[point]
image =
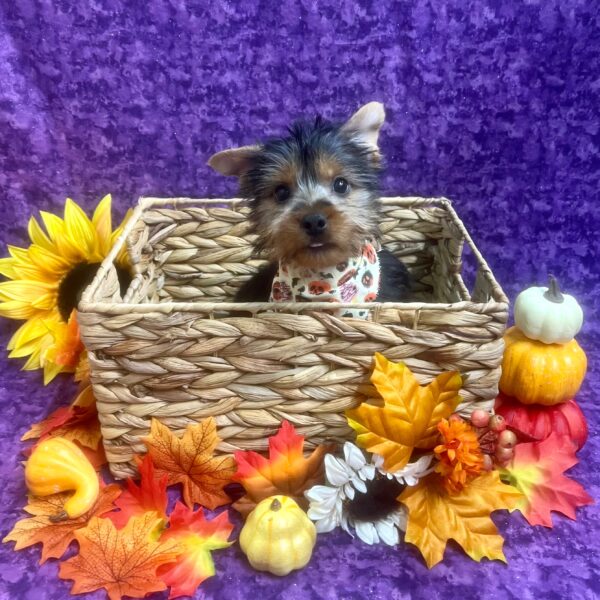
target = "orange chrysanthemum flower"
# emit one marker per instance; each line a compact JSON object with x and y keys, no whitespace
{"x":459,"y":455}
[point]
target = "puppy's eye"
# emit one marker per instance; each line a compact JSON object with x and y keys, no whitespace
{"x":340,"y":185}
{"x":282,"y":193}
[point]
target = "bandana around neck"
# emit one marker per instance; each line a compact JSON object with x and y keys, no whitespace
{"x":353,"y":281}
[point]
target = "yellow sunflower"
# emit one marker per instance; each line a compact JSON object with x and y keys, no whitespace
{"x":46,"y":282}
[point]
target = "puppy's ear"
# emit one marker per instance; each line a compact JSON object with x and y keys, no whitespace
{"x":235,"y":161}
{"x":364,"y":125}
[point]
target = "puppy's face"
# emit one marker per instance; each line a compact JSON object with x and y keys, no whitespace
{"x":314,"y":194}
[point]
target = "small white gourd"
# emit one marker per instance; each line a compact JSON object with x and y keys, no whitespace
{"x":547,"y":315}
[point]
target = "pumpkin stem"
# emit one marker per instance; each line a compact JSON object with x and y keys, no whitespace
{"x":61,"y":516}
{"x":275,"y":505}
{"x":553,"y":293}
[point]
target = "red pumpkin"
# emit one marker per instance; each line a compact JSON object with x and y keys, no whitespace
{"x":533,"y":422}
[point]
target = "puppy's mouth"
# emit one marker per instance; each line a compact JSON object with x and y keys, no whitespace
{"x":320,"y":246}
{"x":318,"y":254}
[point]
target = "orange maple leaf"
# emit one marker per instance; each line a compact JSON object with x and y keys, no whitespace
{"x":77,"y":422}
{"x":189,"y":460}
{"x":198,"y":537}
{"x":537,"y":470}
{"x":410,"y":412}
{"x":68,"y":347}
{"x":286,"y":471}
{"x":150,"y":495}
{"x":96,"y":457}
{"x":55,"y":537}
{"x":434,"y":516}
{"x":122,"y":561}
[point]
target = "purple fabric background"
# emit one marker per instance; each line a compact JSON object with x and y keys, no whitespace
{"x":493,"y":104}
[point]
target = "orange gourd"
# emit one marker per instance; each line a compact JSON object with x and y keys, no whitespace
{"x":537,"y":373}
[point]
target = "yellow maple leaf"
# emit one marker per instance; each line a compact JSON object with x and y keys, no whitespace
{"x":409,"y":416}
{"x":434,"y":516}
{"x":189,"y":460}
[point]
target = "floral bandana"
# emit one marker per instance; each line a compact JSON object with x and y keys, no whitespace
{"x":353,"y":281}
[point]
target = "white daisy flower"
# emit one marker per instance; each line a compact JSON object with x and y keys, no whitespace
{"x":411,"y":473}
{"x":361,"y":496}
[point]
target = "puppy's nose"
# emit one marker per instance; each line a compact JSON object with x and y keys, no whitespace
{"x":314,"y":224}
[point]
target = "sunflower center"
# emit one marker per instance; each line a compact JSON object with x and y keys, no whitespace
{"x":76,"y":280}
{"x":377,"y":502}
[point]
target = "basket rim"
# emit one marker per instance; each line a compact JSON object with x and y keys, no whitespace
{"x":88,"y":303}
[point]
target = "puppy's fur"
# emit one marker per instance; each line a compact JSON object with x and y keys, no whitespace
{"x":318,"y":170}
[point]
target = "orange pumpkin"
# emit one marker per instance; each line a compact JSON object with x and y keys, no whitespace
{"x":538,"y":373}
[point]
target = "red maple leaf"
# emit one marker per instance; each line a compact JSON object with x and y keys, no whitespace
{"x":198,"y":537}
{"x":149,"y":495}
{"x":53,"y":421}
{"x":77,"y":422}
{"x":537,"y":470}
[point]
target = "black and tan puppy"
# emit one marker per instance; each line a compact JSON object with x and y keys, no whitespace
{"x":315,"y":209}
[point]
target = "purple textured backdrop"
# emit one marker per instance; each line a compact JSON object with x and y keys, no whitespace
{"x":493,"y":104}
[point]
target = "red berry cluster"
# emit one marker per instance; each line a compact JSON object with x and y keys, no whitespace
{"x":496,"y":442}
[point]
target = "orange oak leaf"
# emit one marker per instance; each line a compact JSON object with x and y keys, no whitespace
{"x":189,"y":460}
{"x":122,"y":561}
{"x":77,"y":422}
{"x":434,"y":516}
{"x":150,"y":495}
{"x":286,"y":471}
{"x":537,"y":470}
{"x":410,"y":413}
{"x":56,"y":537}
{"x":198,"y":538}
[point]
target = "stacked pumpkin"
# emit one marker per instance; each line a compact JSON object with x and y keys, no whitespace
{"x":543,"y":367}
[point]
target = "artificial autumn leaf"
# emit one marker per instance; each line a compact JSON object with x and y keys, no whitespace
{"x":77,"y":422}
{"x":409,"y":416}
{"x":198,"y":537}
{"x":122,"y":561}
{"x":537,"y":470}
{"x":67,"y":348}
{"x":96,"y":457}
{"x":150,"y":495}
{"x":82,"y":371}
{"x":56,"y":537}
{"x":285,"y":472}
{"x":53,"y":421}
{"x":434,"y":516}
{"x":189,"y":460}
{"x":85,"y":426}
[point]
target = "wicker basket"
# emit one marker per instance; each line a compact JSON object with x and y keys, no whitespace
{"x":170,"y":349}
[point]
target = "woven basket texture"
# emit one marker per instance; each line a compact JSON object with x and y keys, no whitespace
{"x":177,"y":348}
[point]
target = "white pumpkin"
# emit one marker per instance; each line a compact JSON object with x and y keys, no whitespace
{"x":547,"y":315}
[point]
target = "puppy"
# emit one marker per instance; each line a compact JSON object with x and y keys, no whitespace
{"x":314,"y":197}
